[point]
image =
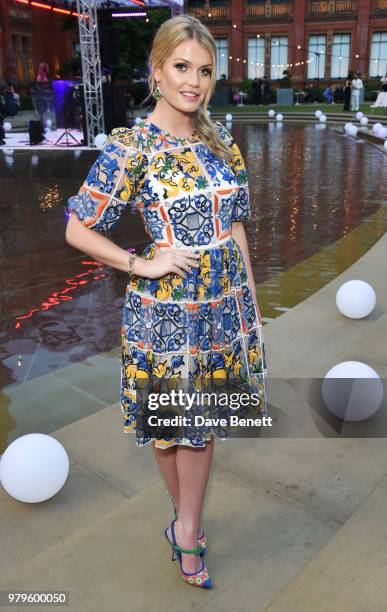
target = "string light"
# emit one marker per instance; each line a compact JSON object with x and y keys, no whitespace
{"x":300,"y":48}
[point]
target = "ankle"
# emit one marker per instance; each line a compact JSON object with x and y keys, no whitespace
{"x":187,"y":529}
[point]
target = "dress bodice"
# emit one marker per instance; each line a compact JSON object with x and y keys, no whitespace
{"x":186,"y":195}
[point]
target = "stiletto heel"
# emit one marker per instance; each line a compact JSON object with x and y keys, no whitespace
{"x":202,"y":541}
{"x":199,"y":578}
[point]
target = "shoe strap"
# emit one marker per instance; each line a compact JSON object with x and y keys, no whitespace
{"x":174,"y":507}
{"x":195,"y":551}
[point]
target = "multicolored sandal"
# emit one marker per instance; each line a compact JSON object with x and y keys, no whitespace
{"x":200,"y":578}
{"x":201,"y":541}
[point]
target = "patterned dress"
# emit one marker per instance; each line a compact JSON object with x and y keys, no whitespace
{"x":180,"y":332}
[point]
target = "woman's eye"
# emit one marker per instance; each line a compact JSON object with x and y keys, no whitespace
{"x":206,"y":70}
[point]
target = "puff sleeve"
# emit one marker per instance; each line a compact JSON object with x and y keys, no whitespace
{"x":112,"y":183}
{"x":241,"y":209}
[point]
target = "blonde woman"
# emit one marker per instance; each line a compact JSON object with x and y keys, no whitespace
{"x":190,"y":312}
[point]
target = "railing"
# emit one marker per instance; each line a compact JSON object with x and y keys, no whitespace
{"x":215,"y":12}
{"x":379,"y":6}
{"x":332,"y":8}
{"x":270,"y":11}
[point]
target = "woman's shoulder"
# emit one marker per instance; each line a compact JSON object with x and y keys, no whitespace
{"x":127,"y":137}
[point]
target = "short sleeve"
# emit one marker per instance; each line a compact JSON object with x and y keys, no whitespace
{"x":112,"y":183}
{"x":241,"y":208}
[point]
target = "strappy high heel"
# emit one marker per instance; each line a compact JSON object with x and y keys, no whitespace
{"x":202,"y":541}
{"x":200,"y":578}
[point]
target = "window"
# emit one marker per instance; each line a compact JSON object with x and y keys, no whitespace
{"x":340,"y":56}
{"x":378,"y":54}
{"x":26,"y":58}
{"x":316,"y":56}
{"x":278,"y":56}
{"x":255,"y":57}
{"x":221,"y":57}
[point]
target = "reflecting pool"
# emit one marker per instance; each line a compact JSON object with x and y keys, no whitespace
{"x":319,"y":203}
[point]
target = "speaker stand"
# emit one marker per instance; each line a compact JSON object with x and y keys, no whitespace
{"x":66,"y":134}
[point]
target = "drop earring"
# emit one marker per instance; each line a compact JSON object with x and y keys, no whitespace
{"x":157,"y":92}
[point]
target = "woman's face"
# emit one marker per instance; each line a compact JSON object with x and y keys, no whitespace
{"x":187,"y":69}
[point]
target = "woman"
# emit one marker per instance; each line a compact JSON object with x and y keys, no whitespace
{"x":381,"y":100}
{"x":42,"y":72}
{"x":347,"y":93}
{"x":190,"y":312}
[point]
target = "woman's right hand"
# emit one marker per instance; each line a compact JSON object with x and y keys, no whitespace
{"x":173,"y":260}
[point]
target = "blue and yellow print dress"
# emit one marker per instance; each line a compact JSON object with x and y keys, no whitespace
{"x":179,"y":330}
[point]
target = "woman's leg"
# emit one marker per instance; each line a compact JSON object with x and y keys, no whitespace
{"x":166,"y":458}
{"x":193,"y":468}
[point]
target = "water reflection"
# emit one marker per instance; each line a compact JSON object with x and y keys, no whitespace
{"x":318,"y":200}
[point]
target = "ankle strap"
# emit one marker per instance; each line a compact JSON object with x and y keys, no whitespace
{"x":195,"y":551}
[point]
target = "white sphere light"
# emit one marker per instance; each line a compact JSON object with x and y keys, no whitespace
{"x":99,"y":140}
{"x":323,"y":118}
{"x":279,"y":117}
{"x":356,"y":398}
{"x":318,"y":114}
{"x":271,"y":113}
{"x":376,"y":126}
{"x":364,"y":120}
{"x":356,"y":299}
{"x":359,"y":115}
{"x":7,"y":126}
{"x":138,"y":120}
{"x":49,"y":123}
{"x":229,"y":117}
{"x":34,"y":468}
{"x":382,"y":132}
{"x":346,"y":126}
{"x":352,"y":130}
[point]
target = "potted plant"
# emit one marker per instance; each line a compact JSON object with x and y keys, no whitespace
{"x":285,"y":94}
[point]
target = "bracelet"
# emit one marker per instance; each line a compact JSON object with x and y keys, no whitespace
{"x":132,"y":259}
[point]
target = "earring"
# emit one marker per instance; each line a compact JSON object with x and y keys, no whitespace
{"x":157,"y":92}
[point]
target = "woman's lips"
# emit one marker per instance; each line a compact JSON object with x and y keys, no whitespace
{"x":187,"y":97}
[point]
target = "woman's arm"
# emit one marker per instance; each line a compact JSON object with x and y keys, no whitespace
{"x":239,"y":235}
{"x":101,"y":248}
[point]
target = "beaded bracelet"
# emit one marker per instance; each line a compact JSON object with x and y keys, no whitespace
{"x":132,"y":259}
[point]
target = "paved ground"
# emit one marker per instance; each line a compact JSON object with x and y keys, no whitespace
{"x":293,"y":524}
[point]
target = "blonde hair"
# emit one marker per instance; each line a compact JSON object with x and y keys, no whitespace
{"x":170,"y":34}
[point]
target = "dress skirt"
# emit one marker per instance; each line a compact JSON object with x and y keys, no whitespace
{"x":198,"y":336}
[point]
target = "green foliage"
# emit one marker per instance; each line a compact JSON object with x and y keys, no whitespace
{"x":134,"y":42}
{"x":372,"y":86}
{"x":71,"y":67}
{"x":286,"y":80}
{"x":246,"y":85}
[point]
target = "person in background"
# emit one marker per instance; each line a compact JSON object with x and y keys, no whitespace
{"x":42,"y":72}
{"x":265,"y":88}
{"x":383,"y":81}
{"x":256,"y":96}
{"x":11,"y":100}
{"x":308,"y":95}
{"x":356,"y":85}
{"x":2,"y":116}
{"x":347,"y":92}
{"x":327,"y":93}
